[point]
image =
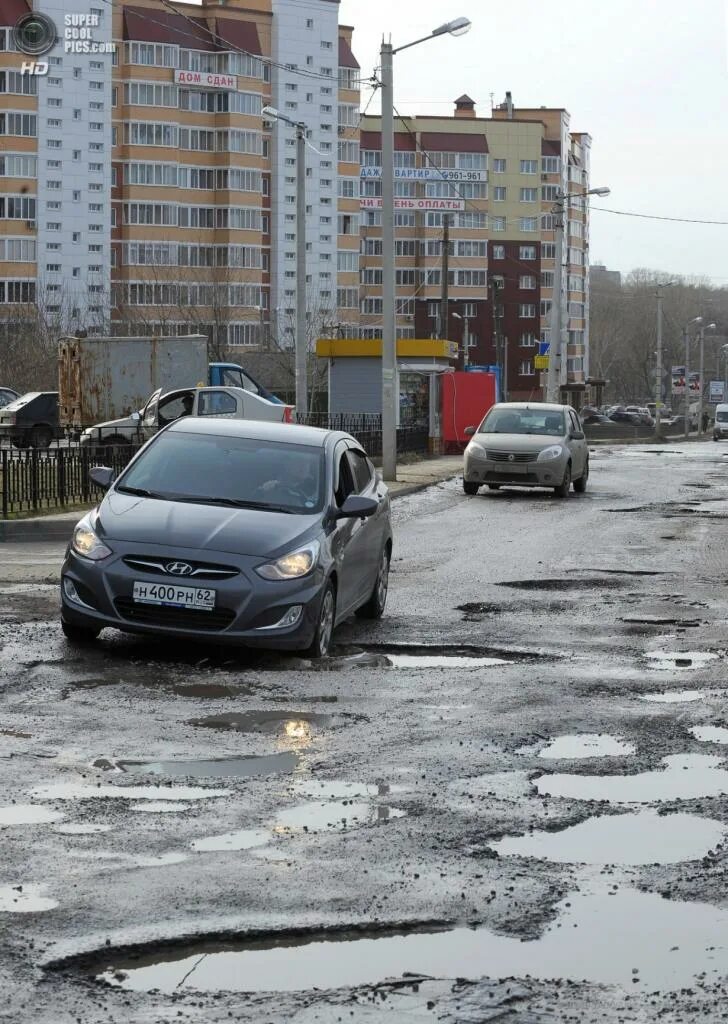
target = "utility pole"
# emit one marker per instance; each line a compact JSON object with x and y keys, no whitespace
{"x":445,"y":283}
{"x":686,"y":340}
{"x":389,"y":350}
{"x":301,"y":320}
{"x":552,"y":383}
{"x":658,"y":370}
{"x":466,"y":342}
{"x":701,"y":366}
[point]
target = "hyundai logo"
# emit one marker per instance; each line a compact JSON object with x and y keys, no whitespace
{"x":511,"y":457}
{"x":178,"y":569}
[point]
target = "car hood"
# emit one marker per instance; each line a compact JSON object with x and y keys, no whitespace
{"x":125,"y":421}
{"x":517,"y":442}
{"x":173,"y":524}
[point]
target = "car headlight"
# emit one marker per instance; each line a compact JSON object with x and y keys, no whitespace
{"x":86,"y":543}
{"x":476,"y":449}
{"x":554,"y":451}
{"x":291,"y":566}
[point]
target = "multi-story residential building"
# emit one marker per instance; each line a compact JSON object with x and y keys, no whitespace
{"x":496,"y":180}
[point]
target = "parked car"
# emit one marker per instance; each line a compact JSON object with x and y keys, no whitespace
{"x":31,"y":420}
{"x":232,"y":531}
{"x":720,"y":425}
{"x":643,"y":413}
{"x":7,"y":395}
{"x":524,"y":444}
{"x":620,"y":415}
{"x":162,"y":409}
{"x":595,"y":419}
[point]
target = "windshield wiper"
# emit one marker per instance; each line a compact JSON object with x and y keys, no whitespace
{"x":234,"y":503}
{"x":142,"y":492}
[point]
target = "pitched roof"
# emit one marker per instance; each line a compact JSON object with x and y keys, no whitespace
{"x":241,"y":35}
{"x":346,"y":57}
{"x":11,"y":10}
{"x":159,"y":26}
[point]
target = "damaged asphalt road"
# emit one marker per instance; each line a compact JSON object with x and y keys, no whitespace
{"x":507,"y":801}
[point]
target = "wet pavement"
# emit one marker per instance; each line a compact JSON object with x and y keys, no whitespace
{"x":506,"y":801}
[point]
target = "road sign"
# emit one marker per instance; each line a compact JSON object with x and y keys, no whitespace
{"x":717,"y":391}
{"x":541,"y":362}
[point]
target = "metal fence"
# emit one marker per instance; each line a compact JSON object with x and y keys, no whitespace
{"x":35,"y":480}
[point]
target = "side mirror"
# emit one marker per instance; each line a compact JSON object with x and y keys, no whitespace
{"x":469,"y":431}
{"x":356,"y":507}
{"x":577,"y":435}
{"x":102,"y":476}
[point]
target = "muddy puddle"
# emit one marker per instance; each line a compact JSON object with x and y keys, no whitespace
{"x":673,"y":696}
{"x":412,"y":661}
{"x":606,"y":582}
{"x":680,"y":659}
{"x":81,"y":791}
{"x":24,"y":899}
{"x":683,"y":777}
{"x":224,"y":767}
{"x":328,"y":815}
{"x":710,"y":733}
{"x":291,"y":724}
{"x":626,"y":937}
{"x":632,"y":839}
{"x":245,"y":839}
{"x":27,"y":814}
{"x":583,"y":745}
{"x":658,"y":620}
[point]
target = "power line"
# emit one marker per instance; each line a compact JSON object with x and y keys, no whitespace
{"x":654,"y":216}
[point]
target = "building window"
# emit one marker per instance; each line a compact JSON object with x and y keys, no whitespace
{"x":527,"y":281}
{"x":528,"y":195}
{"x":525,"y":369}
{"x":527,"y":252}
{"x":497,"y":223}
{"x":526,"y":310}
{"x":498,"y":252}
{"x":549,"y":193}
{"x":499,"y":194}
{"x":309,"y":22}
{"x":528,"y":339}
{"x":550,"y":164}
{"x":528,"y":224}
{"x":529,"y":166}
{"x":499,"y":166}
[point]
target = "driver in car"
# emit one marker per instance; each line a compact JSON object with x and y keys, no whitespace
{"x":297,"y":486}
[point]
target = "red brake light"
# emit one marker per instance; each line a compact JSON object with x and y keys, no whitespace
{"x":288,"y":414}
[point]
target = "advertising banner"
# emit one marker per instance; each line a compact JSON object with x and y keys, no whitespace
{"x":375,"y":203}
{"x":426,"y":174}
{"x":678,"y":380}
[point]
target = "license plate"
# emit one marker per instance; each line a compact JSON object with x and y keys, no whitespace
{"x":172,"y":594}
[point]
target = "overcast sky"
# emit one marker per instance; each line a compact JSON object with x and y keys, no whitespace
{"x":648,"y":79}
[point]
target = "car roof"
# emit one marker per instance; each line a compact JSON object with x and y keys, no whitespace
{"x":259,"y":430}
{"x":539,"y":406}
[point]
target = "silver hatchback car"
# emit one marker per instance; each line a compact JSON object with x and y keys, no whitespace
{"x":527,"y":444}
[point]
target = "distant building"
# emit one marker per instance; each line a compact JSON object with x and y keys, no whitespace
{"x":599,"y":275}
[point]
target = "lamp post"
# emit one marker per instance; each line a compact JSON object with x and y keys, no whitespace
{"x":658,"y":371}
{"x":555,"y":347}
{"x":703,"y":329}
{"x":724,"y":353}
{"x":389,"y":346}
{"x":466,"y":338}
{"x":686,"y":340}
{"x":301,"y":345}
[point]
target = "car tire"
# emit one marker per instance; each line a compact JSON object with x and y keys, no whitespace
{"x":562,"y":491}
{"x":321,"y":643}
{"x":470,"y":487}
{"x":40,"y":437}
{"x":494,"y":487}
{"x":20,"y":442}
{"x":580,"y":484}
{"x":374,"y":607}
{"x":79,"y":634}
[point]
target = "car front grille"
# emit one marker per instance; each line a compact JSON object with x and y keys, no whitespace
{"x":174,"y":618}
{"x":496,"y":456}
{"x":499,"y":476}
{"x":200,"y":570}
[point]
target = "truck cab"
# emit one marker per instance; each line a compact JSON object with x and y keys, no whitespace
{"x":234,"y":376}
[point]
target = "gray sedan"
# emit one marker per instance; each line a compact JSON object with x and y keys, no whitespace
{"x":527,"y":444}
{"x":259,"y":534}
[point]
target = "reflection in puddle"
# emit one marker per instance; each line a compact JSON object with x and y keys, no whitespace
{"x":684,"y":777}
{"x":243,"y":840}
{"x":237,"y":767}
{"x":325,"y":815}
{"x":710,"y":733}
{"x":24,"y":899}
{"x":160,"y":807}
{"x":586,"y":745}
{"x":643,"y":838}
{"x":628,"y":937}
{"x":680,"y":659}
{"x":292,"y":724}
{"x":27,"y":814}
{"x":672,"y":696}
{"x":441,"y":661}
{"x":78,"y":791}
{"x":337,"y":790}
{"x":81,"y":828}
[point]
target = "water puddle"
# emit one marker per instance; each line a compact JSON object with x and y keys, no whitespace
{"x":672,"y":696}
{"x":658,"y":620}
{"x":228,"y":767}
{"x":27,"y":814}
{"x":586,"y":745}
{"x":160,"y":807}
{"x":684,"y":777}
{"x":79,"y":791}
{"x":629,"y":938}
{"x":16,"y":734}
{"x":338,"y":790}
{"x":442,"y":661}
{"x":710,"y":733}
{"x":329,"y":815}
{"x":291,"y":724}
{"x":80,"y":828}
{"x":570,"y":583}
{"x":680,"y":659}
{"x":642,"y":838}
{"x":246,"y":839}
{"x":210,"y":691}
{"x":24,"y":899}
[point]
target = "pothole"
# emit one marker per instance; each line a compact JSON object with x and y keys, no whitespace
{"x":658,"y":620}
{"x":684,"y":777}
{"x":338,"y":790}
{"x":332,"y":815}
{"x":680,"y":659}
{"x":642,"y":838}
{"x":710,"y":733}
{"x":292,"y":724}
{"x":570,"y":583}
{"x":27,"y":814}
{"x":244,"y":839}
{"x":224,"y":767}
{"x":582,"y":745}
{"x":443,"y":661}
{"x":79,"y":791}
{"x":480,"y":608}
{"x":625,"y":937}
{"x":24,"y":899}
{"x":672,"y":696}
{"x":469,"y":652}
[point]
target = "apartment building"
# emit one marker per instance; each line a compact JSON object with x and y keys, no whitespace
{"x":144,"y":191}
{"x":495,"y":179}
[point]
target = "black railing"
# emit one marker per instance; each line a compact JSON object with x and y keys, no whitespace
{"x":412,"y":438}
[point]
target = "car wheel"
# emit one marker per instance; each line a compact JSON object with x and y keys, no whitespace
{"x":79,"y":634}
{"x":562,"y":491}
{"x":494,"y":487}
{"x":20,"y":442}
{"x":374,"y":608}
{"x":41,"y":437}
{"x":470,"y":488}
{"x":580,"y":484}
{"x":321,"y":642}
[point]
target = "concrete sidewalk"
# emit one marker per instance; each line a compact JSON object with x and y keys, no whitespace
{"x":411,"y":477}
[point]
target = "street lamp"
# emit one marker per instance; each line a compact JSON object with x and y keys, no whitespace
{"x":686,"y":340}
{"x":555,"y":345}
{"x":301,"y":344}
{"x":724,"y":353}
{"x":658,"y":371}
{"x":466,"y":338}
{"x":389,"y":346}
{"x":703,"y":329}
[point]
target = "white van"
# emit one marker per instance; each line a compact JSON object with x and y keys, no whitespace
{"x":720,"y":427}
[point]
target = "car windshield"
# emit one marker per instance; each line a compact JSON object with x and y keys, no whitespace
{"x":523,"y":421}
{"x":722,"y":417}
{"x":215,"y":469}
